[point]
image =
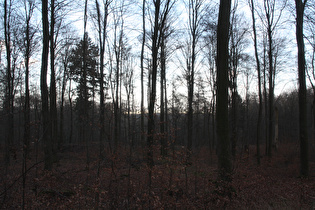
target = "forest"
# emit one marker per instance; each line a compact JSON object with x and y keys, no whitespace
{"x":162,"y":104}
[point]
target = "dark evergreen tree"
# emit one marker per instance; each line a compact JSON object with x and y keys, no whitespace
{"x":84,"y":76}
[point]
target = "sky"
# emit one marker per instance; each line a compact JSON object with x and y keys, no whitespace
{"x":286,"y":79}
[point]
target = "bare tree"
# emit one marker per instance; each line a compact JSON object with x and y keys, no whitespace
{"x":272,"y":21}
{"x":225,"y":163}
{"x":52,"y":88}
{"x":84,"y":114}
{"x":29,"y":46}
{"x":118,"y":50}
{"x":66,"y":46}
{"x":165,"y":53}
{"x":210,"y":49}
{"x":9,"y":77}
{"x":152,"y":81}
{"x":44,"y":89}
{"x":161,"y":13}
{"x":310,"y":37}
{"x":259,"y":120}
{"x":142,"y":130}
{"x":128,"y":78}
{"x":238,"y":31}
{"x":58,"y":12}
{"x":300,"y":7}
{"x":162,"y":86}
{"x":102,"y":33}
{"x":195,"y":16}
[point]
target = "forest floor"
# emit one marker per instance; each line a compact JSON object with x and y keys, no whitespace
{"x":121,"y":182}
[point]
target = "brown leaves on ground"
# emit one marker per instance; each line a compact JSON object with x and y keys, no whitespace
{"x":121,"y":182}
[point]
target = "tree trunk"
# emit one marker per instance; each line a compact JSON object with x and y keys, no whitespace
{"x":142,"y":74}
{"x":8,"y":101}
{"x":84,"y":112}
{"x":166,"y":114}
{"x":194,"y":19}
{"x":71,"y":113}
{"x":117,"y":49}
{"x":53,"y":105}
{"x":102,"y":37}
{"x":27,"y":134}
{"x":162,"y":86}
{"x":304,"y":157}
{"x":269,"y":16}
{"x":265,"y":100}
{"x":65,"y":77}
{"x":44,"y":89}
{"x":155,"y":48}
{"x":259,"y":120}
{"x":225,"y":162}
{"x":62,"y":98}
{"x":276,"y":128}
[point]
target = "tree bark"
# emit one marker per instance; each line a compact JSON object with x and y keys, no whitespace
{"x":8,"y":101}
{"x":102,"y":30}
{"x":304,"y":153}
{"x":53,"y":94}
{"x":142,"y":73}
{"x":84,"y":113}
{"x":162,"y":86}
{"x":155,"y":48}
{"x":271,"y":22}
{"x":44,"y":89}
{"x":225,"y":162}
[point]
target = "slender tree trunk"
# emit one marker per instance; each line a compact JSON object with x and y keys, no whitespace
{"x":53,"y":104}
{"x":269,"y":16}
{"x":27,"y":134}
{"x":233,"y":82}
{"x":44,"y":89}
{"x":190,"y":112}
{"x":166,"y":114}
{"x":233,"y":87}
{"x":71,"y":113}
{"x":116,"y":107}
{"x":194,"y":18}
{"x":265,"y":101}
{"x":234,"y":122}
{"x":117,"y":49}
{"x":142,"y":73}
{"x":155,"y":47}
{"x":84,"y":113}
{"x":26,"y":120}
{"x":271,"y":96}
{"x":213,"y":123}
{"x":102,"y":37}
{"x":8,"y":102}
{"x":259,"y":120}
{"x":61,"y":117}
{"x":162,"y":113}
{"x":304,"y":153}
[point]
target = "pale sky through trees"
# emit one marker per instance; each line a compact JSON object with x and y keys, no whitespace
{"x":286,"y":78}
